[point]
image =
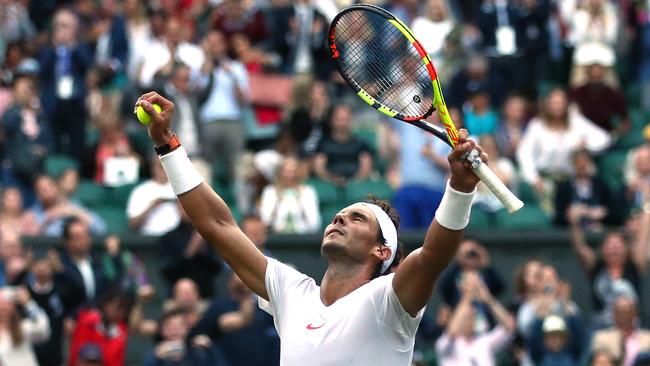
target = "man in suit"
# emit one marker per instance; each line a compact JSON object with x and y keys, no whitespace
{"x":79,"y":275}
{"x":624,"y":341}
{"x":64,"y":65}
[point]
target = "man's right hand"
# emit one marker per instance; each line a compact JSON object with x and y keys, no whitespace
{"x":159,"y":128}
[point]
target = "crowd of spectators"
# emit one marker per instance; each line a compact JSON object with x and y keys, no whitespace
{"x":556,"y":91}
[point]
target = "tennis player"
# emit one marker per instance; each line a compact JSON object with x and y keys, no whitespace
{"x":367,"y":309}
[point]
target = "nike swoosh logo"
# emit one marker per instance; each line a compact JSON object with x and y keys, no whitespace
{"x":311,"y":327}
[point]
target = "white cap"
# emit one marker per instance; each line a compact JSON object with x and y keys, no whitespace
{"x":553,"y":323}
{"x":594,"y":53}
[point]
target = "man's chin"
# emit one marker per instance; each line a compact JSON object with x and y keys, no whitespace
{"x":331,"y":247}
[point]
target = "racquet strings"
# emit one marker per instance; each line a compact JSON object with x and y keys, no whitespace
{"x":379,"y":59}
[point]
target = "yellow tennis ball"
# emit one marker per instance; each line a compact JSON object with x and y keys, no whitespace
{"x":143,"y":116}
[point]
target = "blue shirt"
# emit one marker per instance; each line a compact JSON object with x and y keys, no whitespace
{"x":482,"y":124}
{"x":415,"y":169}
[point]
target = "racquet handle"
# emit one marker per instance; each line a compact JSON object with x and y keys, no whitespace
{"x":496,"y":186}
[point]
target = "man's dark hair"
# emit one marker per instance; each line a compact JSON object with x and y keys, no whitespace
{"x":394,"y":217}
{"x":67,"y":224}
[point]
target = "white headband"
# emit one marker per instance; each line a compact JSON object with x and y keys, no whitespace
{"x":387,"y":229}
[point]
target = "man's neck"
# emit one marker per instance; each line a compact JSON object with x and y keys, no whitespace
{"x":339,"y":281}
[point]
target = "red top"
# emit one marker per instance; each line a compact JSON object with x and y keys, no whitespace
{"x":90,"y":329}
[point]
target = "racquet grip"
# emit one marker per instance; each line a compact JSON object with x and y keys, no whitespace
{"x":496,"y":186}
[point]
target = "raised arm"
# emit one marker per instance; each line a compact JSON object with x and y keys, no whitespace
{"x":417,"y":275}
{"x":586,"y":255}
{"x":639,"y":249}
{"x":207,"y":211}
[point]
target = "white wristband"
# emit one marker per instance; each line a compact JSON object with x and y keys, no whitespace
{"x":182,"y":174}
{"x":454,"y":209}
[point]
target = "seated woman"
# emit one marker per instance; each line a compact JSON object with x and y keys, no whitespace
{"x":289,"y":205}
{"x":544,"y":152}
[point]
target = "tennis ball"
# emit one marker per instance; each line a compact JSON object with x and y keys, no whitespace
{"x":143,"y":116}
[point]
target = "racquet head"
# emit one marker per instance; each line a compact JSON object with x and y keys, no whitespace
{"x":377,"y":55}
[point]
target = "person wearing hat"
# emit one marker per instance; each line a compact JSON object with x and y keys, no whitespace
{"x":600,"y":102}
{"x":555,"y":341}
{"x":89,"y":355}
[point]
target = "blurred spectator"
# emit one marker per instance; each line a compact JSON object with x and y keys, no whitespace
{"x":554,"y":299}
{"x":13,"y":259}
{"x":68,"y":181}
{"x":233,"y":17}
{"x":80,"y":276}
{"x":139,"y":33}
{"x":471,"y":259}
{"x":503,"y":168}
{"x":22,"y":324}
{"x":12,"y":215}
{"x":625,"y":340}
{"x":473,"y":77}
{"x":63,"y":73}
{"x":497,"y":21}
{"x":255,"y":229}
{"x":289,"y":205}
{"x":152,"y":207}
{"x":48,"y":295}
{"x":175,"y":348}
{"x":104,"y":325}
{"x":638,"y":177}
{"x":528,"y":283}
{"x":185,"y":254}
{"x":122,"y":269}
{"x":236,"y":325}
{"x":423,"y":170}
{"x":511,"y":127}
{"x":113,"y":150}
{"x":90,"y":354}
{"x":308,"y":123}
{"x":15,"y":24}
{"x":543,"y":163}
{"x":27,"y":136}
{"x":479,"y":117}
{"x":432,"y":28}
{"x":556,"y":342}
{"x":300,"y":40}
{"x":460,"y":344}
{"x":162,"y":53}
{"x":601,"y":358}
{"x":185,"y":120}
{"x":109,"y":40}
{"x":225,"y":83}
{"x":52,"y":209}
{"x":341,"y":157}
{"x":186,"y":296}
{"x":601,"y":103}
{"x":616,"y":270}
{"x":587,"y":193}
{"x":532,"y":36}
{"x":595,"y":28}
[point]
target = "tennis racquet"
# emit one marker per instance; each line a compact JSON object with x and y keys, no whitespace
{"x":381,"y":60}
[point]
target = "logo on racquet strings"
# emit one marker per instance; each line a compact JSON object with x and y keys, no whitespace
{"x":335,"y":52}
{"x":417,"y":99}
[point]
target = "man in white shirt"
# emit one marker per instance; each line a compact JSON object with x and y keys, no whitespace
{"x":368,"y":308}
{"x":152,"y":208}
{"x":162,"y":54}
